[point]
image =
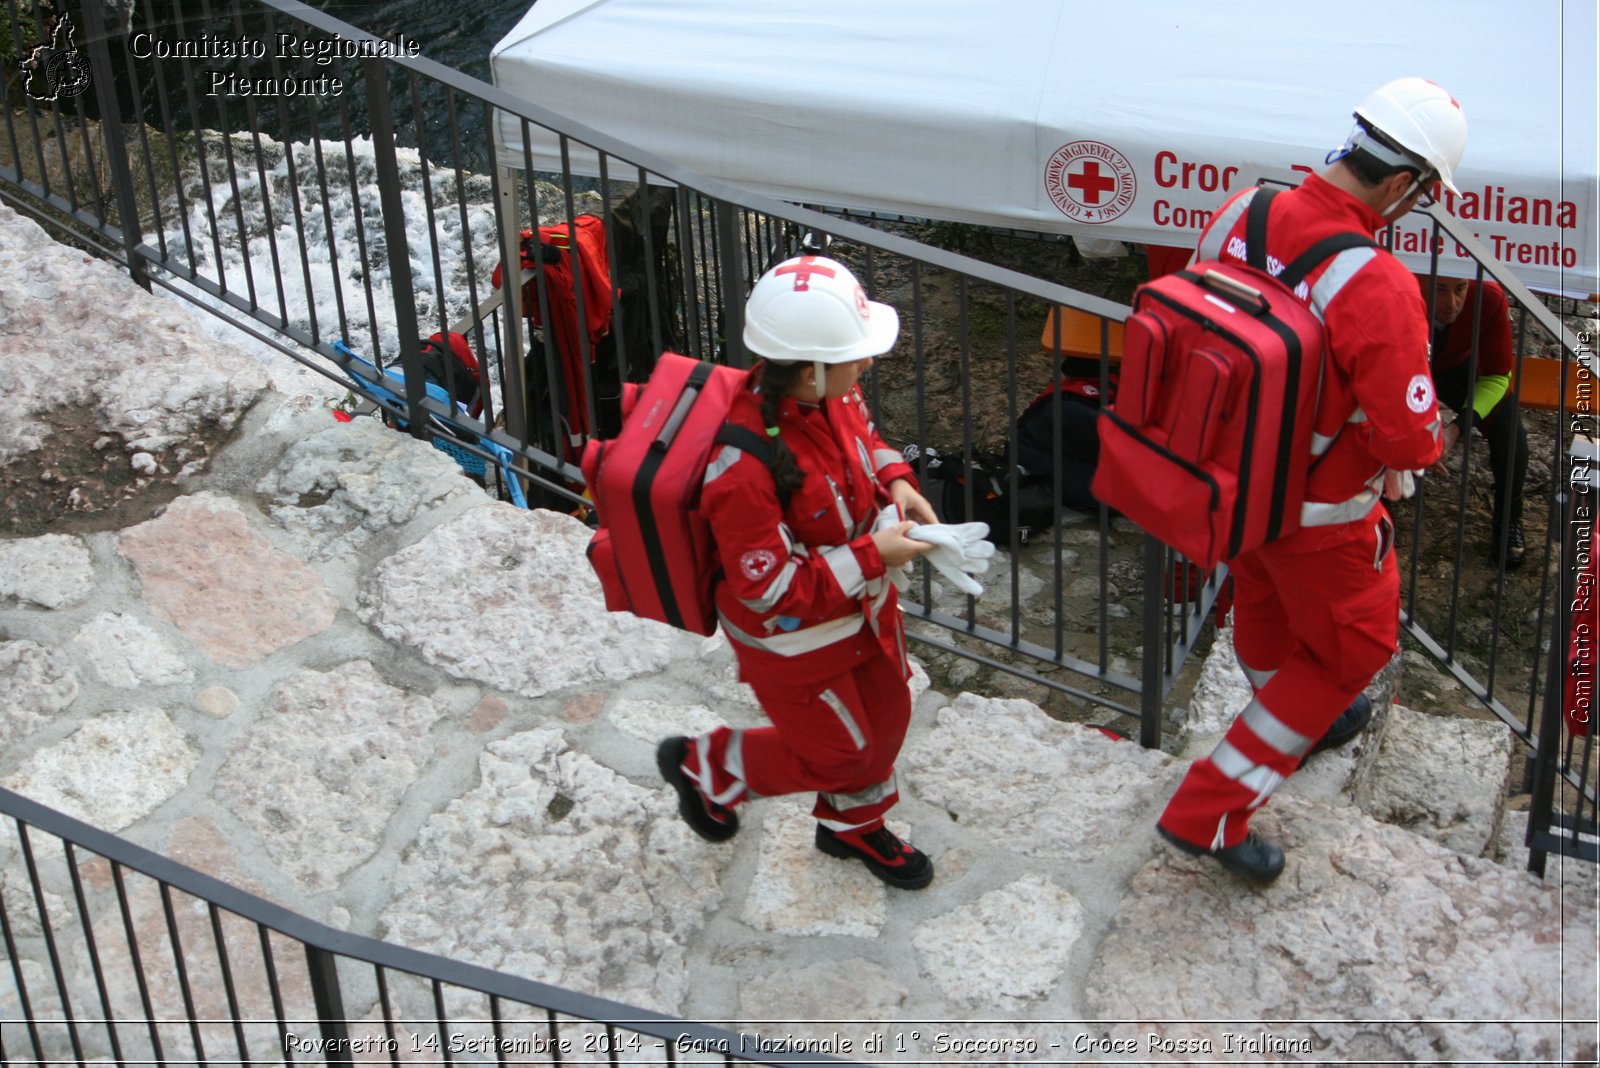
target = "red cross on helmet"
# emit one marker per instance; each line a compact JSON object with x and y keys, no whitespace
{"x":812,"y":308}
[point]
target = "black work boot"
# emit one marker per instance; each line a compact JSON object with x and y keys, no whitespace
{"x":885,"y":855}
{"x":1515,"y":546}
{"x":1255,"y":858}
{"x":1351,"y":722}
{"x":705,"y":817}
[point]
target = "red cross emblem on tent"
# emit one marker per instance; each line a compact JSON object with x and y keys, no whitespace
{"x":1090,"y":182}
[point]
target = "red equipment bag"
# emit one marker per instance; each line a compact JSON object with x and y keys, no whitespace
{"x":1208,"y":442}
{"x":654,"y":552}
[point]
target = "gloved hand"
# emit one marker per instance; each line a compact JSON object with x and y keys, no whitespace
{"x":888,"y":516}
{"x":959,"y":551}
{"x":1398,"y":485}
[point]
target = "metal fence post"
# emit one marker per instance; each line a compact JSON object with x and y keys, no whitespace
{"x":323,"y":969}
{"x":732,"y":288}
{"x":113,"y":140}
{"x":1153,"y":653}
{"x":376,"y":73}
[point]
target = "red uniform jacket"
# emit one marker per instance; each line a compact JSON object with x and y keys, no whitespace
{"x":801,"y":584}
{"x":1378,"y":400}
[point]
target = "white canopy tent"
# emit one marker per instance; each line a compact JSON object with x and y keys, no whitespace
{"x":1125,"y":122}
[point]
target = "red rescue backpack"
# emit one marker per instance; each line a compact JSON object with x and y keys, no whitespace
{"x":654,"y":552}
{"x":1208,"y":443}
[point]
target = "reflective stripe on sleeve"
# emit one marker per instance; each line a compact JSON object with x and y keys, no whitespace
{"x":882,"y":458}
{"x":846,"y":569}
{"x":1343,"y":267}
{"x":775,"y":589}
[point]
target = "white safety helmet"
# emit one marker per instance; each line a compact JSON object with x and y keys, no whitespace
{"x":812,"y":308}
{"x":1422,"y":120}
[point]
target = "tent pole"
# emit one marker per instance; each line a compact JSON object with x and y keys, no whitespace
{"x":513,"y":387}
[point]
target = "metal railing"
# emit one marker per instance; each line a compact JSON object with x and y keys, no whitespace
{"x":145,"y":961}
{"x":317,"y":220}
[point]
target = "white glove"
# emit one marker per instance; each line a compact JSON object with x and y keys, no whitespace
{"x":888,"y":516}
{"x":1398,"y":485}
{"x":959,"y":551}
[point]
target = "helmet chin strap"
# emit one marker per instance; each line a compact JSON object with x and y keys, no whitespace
{"x":822,"y":378}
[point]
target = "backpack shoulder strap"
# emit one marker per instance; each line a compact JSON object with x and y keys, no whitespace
{"x":757,"y":445}
{"x":1255,"y":228}
{"x":1317,"y":254}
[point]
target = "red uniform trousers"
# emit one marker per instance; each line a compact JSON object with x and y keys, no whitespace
{"x":1316,"y":616}
{"x":839,"y":737}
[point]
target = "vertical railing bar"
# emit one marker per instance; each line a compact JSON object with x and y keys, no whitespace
{"x":508,"y":333}
{"x":275,"y":991}
{"x":322,"y":968}
{"x":135,"y":958}
{"x":585,"y":353}
{"x":32,"y":109}
{"x":730,"y":287}
{"x":226,"y":136}
{"x":171,"y":138}
{"x":24,"y":1002}
{"x":98,"y":43}
{"x":690,"y":293}
{"x":619,"y":346}
{"x":703,"y":272}
{"x":1151,"y":667}
{"x":144,"y":142}
{"x":116,"y":147}
{"x":314,"y":115}
{"x":1497,"y":537}
{"x":652,"y":297}
{"x":207,"y":183}
{"x":60,"y":135}
{"x":489,"y":405}
{"x":382,"y":975}
{"x":717,"y":307}
{"x":555,"y":1036}
{"x":227,"y":982}
{"x":425,"y":169}
{"x":292,"y":173}
{"x":376,"y":352}
{"x":90,"y":943}
{"x":11,"y":128}
{"x":964,"y":338}
{"x":182,"y":970}
{"x":553,"y":377}
{"x":67,"y":1017}
{"x":441,"y":1020}
{"x":397,"y":241}
{"x":1013,"y":477}
{"x":611,"y":1044}
{"x":263,"y":184}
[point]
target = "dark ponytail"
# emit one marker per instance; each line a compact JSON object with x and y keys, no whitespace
{"x":777,"y":380}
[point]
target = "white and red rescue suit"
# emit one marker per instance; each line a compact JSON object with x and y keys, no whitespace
{"x":1316,"y":614}
{"x":812,"y":617}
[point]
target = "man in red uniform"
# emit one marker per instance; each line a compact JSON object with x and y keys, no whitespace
{"x":1316,"y":614}
{"x":1481,"y":399}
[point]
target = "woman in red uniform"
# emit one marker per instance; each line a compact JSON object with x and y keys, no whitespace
{"x":806,"y":599}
